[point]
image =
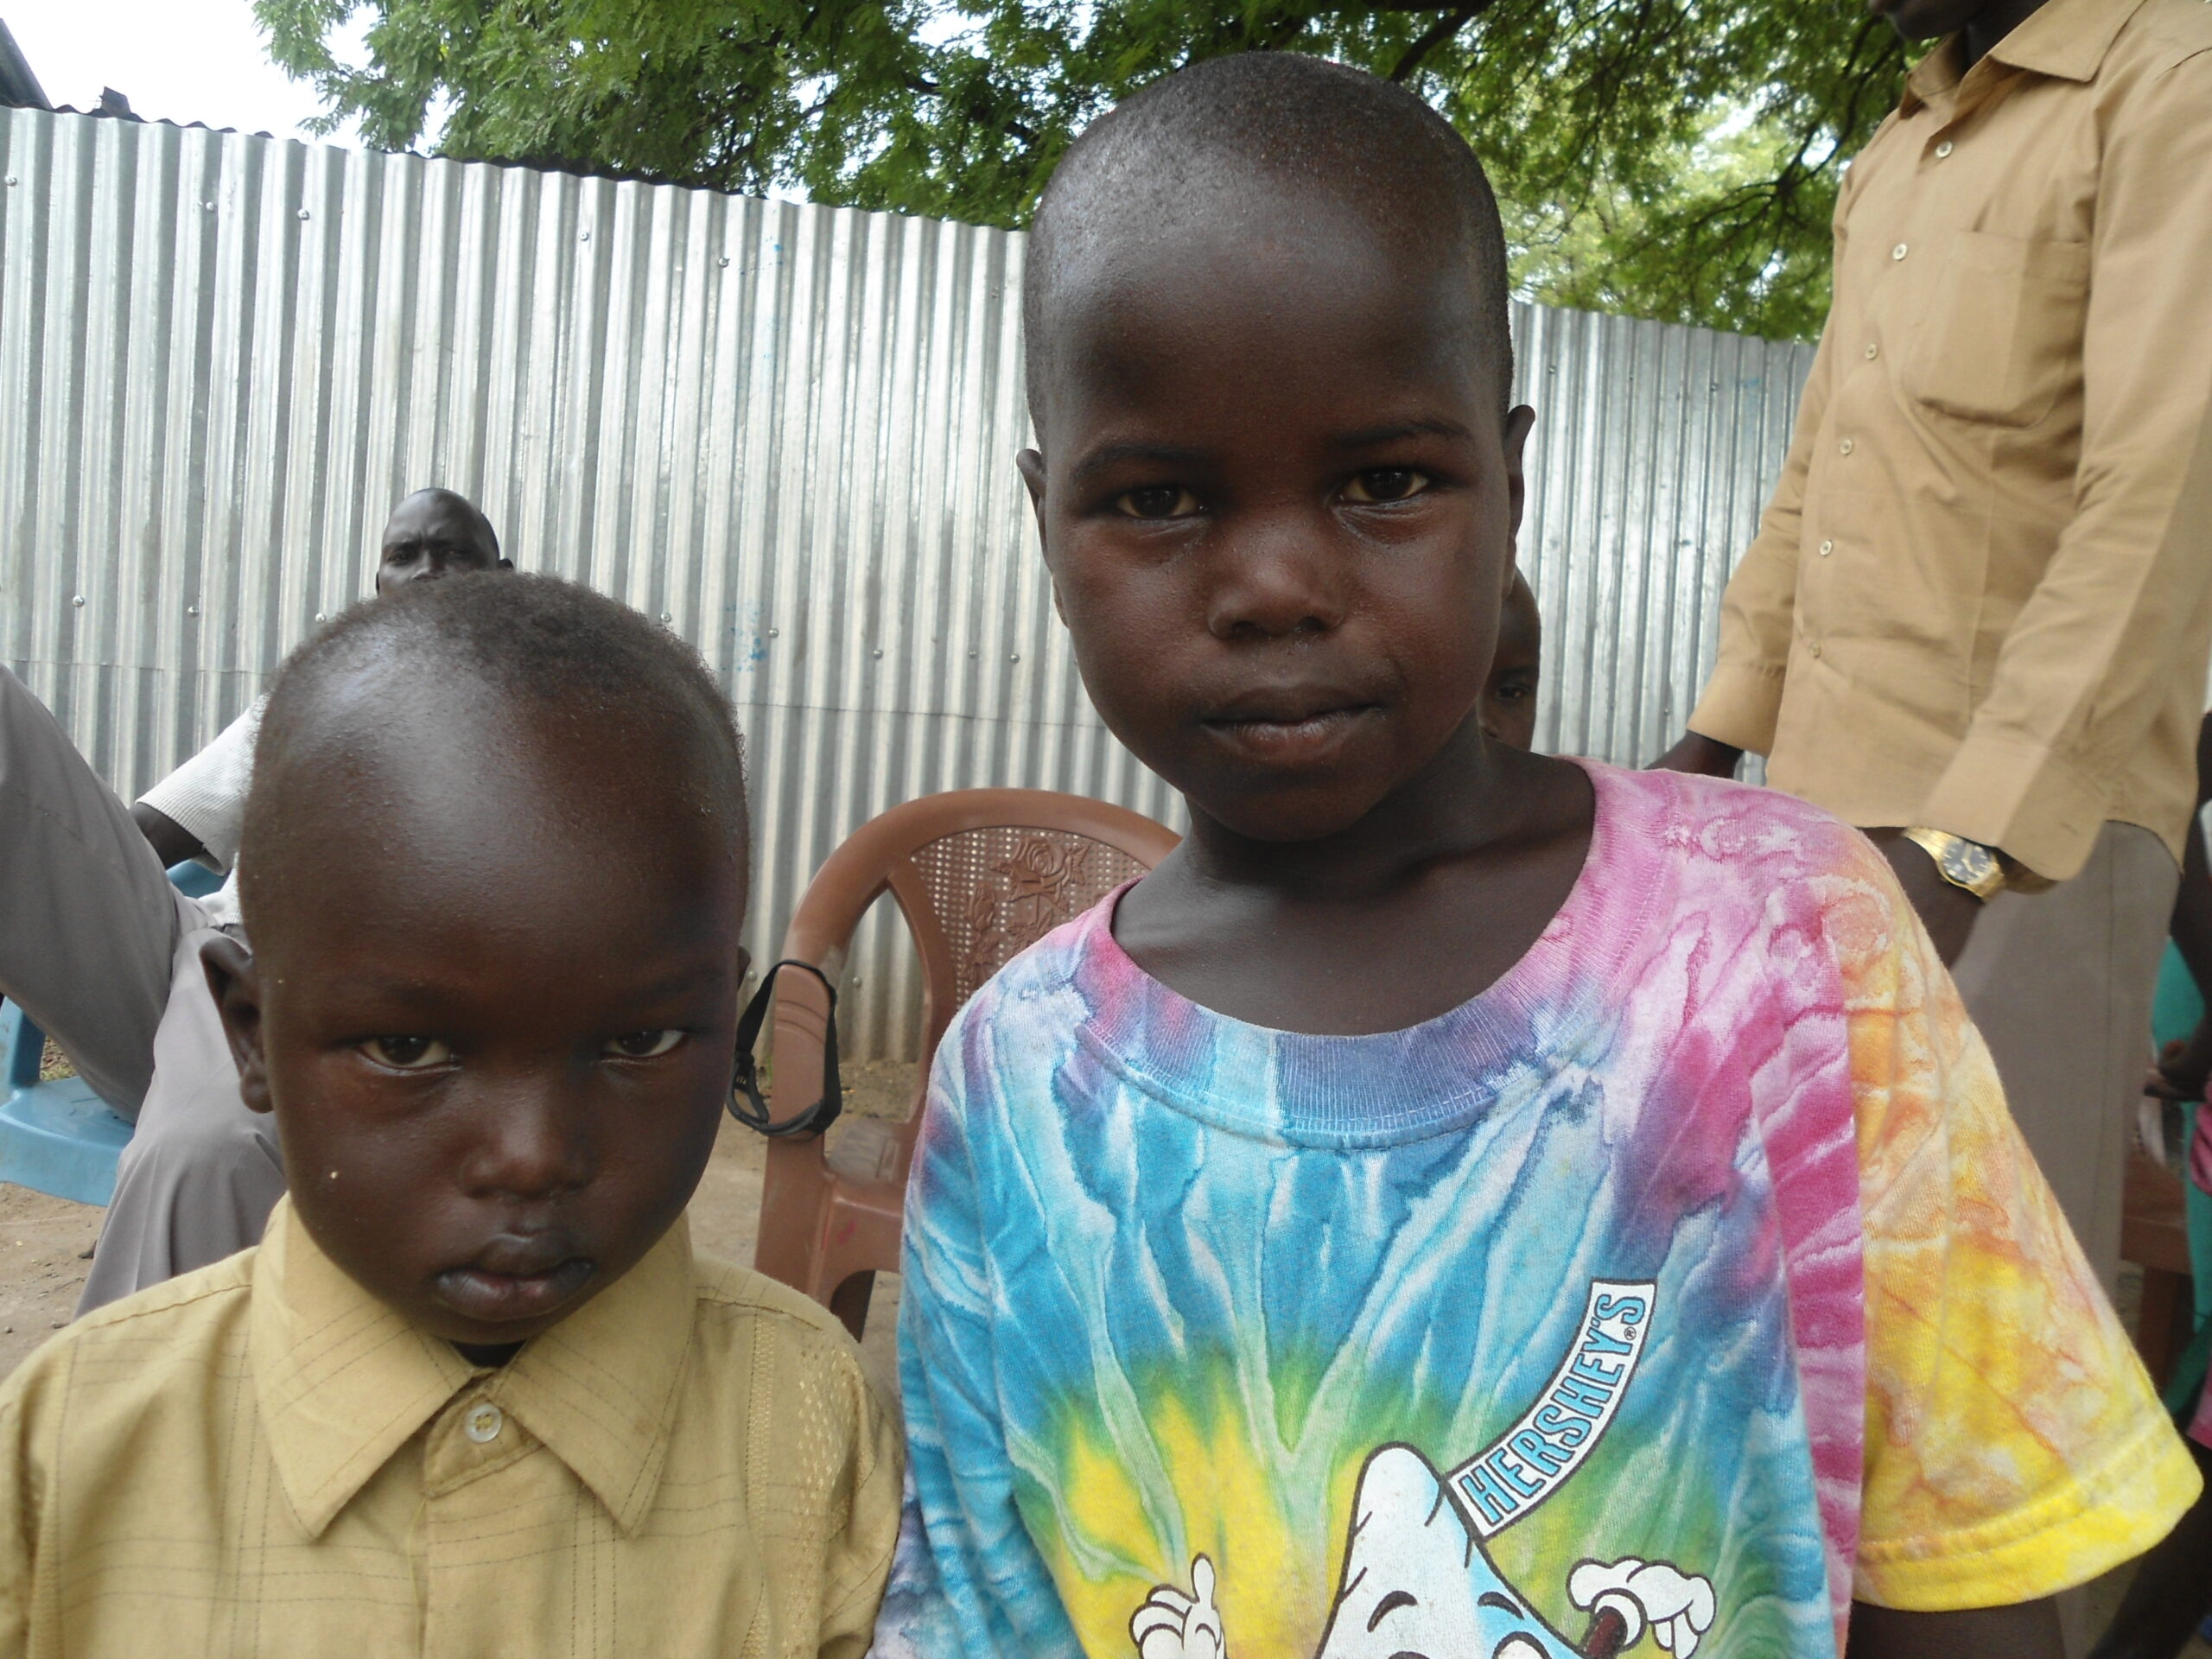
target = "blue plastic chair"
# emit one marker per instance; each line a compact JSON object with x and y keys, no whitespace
{"x":59,"y":1138}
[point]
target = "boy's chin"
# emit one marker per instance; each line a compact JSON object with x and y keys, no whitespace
{"x":1290,"y":814}
{"x":442,"y":1322}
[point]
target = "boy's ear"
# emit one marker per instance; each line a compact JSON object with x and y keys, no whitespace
{"x":236,"y":986}
{"x":1032,"y":463}
{"x":1519,"y":422}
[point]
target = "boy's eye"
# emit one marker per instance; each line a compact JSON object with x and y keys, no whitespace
{"x":407,"y":1054}
{"x":1156,"y":501}
{"x":644,"y":1045}
{"x":1386,"y":484}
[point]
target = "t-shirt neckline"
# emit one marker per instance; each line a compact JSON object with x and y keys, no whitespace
{"x":1384,"y":1087}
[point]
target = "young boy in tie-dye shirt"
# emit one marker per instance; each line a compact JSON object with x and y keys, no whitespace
{"x":1463,"y":1203}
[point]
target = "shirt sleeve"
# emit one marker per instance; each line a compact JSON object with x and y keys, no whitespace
{"x":206,"y":794}
{"x":17,"y":1528}
{"x":2014,"y":1447}
{"x":968,"y":1580}
{"x":1742,"y":700}
{"x":858,"y":1558}
{"x":2104,"y":627}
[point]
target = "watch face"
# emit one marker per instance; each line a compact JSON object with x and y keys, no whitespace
{"x":1966,"y":862}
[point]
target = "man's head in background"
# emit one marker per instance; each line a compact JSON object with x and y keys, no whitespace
{"x":436,"y":533}
{"x":1508,"y":704}
{"x":1927,"y":20}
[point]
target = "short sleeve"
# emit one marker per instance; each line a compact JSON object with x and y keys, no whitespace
{"x":968,"y":1581}
{"x":206,"y":794}
{"x":857,"y":1557}
{"x":2014,"y":1446}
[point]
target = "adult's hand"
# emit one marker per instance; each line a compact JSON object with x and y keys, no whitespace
{"x":1699,"y":753}
{"x":1947,"y":911}
{"x":2182,"y":1069}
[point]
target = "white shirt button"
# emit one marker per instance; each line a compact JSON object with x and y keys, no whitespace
{"x":1827,"y":548}
{"x":1847,"y":446}
{"x":1872,"y":351}
{"x":1944,"y":150}
{"x":1898,"y":252}
{"x":1814,"y":648}
{"x":483,"y":1422}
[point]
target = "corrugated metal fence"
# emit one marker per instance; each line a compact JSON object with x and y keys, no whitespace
{"x":787,"y":430}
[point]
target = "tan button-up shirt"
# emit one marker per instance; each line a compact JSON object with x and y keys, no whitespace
{"x":1981,"y":598}
{"x":260,"y":1458}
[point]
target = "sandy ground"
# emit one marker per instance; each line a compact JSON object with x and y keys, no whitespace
{"x":46,"y":1251}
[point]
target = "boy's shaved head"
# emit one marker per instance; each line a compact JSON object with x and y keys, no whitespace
{"x":537,"y":656}
{"x":1170,"y":159}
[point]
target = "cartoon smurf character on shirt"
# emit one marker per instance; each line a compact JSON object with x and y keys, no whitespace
{"x":1417,"y":1579}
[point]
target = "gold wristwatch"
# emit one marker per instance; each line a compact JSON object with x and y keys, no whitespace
{"x":1961,"y":862}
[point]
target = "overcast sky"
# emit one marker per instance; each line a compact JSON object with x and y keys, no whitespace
{"x":181,"y":60}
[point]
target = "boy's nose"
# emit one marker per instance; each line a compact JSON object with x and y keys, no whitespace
{"x":1275,"y":578}
{"x":530,"y":1143}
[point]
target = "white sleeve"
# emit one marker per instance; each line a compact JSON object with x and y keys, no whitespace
{"x":206,"y":794}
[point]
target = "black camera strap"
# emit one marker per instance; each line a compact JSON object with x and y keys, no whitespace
{"x":747,"y":1103}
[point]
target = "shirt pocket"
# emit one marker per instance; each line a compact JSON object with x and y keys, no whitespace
{"x":2001,"y":337}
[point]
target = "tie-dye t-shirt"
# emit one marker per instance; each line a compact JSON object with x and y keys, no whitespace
{"x":1687,"y":1283}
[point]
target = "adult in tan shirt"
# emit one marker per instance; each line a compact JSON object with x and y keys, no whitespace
{"x":1977,"y":613}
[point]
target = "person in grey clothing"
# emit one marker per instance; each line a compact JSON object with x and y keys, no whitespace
{"x":101,"y":951}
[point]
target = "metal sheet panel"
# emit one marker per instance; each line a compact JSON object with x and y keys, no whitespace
{"x":1654,"y":450}
{"x":788,"y":431}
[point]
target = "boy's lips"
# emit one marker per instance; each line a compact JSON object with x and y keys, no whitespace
{"x":515,"y":1279}
{"x":1288,"y":735}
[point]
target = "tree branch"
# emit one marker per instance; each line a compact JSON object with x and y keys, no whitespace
{"x":1436,"y":36}
{"x":973,"y":109}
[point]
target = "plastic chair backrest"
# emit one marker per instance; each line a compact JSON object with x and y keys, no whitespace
{"x":979,"y":875}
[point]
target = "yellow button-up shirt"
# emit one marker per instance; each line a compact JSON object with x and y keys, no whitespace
{"x":1981,"y":598}
{"x":262,"y":1459}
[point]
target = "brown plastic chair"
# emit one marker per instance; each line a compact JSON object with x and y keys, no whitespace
{"x":979,"y":874}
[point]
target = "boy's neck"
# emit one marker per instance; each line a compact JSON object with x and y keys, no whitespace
{"x":1463,"y":800}
{"x":1426,"y":902}
{"x":491,"y":1355}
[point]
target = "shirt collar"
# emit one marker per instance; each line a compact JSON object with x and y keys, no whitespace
{"x":344,"y":1382}
{"x":2067,"y":40}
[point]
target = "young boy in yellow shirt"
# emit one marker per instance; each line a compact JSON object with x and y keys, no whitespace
{"x":472,"y":1395}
